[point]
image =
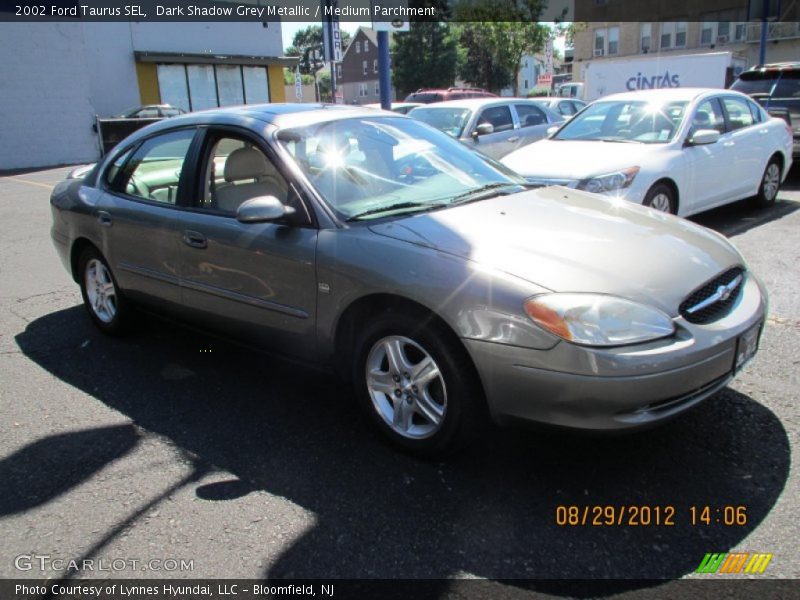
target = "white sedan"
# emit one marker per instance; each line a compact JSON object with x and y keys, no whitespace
{"x":681,"y":151}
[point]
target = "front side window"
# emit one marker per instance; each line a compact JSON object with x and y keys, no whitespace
{"x":237,"y":171}
{"x":631,"y":121}
{"x":707,"y":116}
{"x":498,"y":116}
{"x":739,"y":115}
{"x":566,"y":108}
{"x":155,"y":169}
{"x":366,"y":168}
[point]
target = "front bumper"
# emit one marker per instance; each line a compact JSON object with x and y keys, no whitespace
{"x":616,"y":388}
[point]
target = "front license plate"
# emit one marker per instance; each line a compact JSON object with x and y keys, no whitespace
{"x":747,"y":345}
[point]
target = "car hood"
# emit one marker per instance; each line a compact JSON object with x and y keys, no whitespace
{"x":574,"y":160}
{"x":566,"y":240}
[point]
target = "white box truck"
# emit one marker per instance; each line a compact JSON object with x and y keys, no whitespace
{"x":711,"y":69}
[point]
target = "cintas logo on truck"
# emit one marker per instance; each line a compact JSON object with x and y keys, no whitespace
{"x":641,"y":82}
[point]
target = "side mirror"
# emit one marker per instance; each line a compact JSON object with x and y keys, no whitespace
{"x":483,"y":129}
{"x":703,"y":136}
{"x":262,"y":209}
{"x":552,"y":130}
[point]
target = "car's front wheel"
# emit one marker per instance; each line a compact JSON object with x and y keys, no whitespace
{"x":662,"y":198}
{"x":770,"y":183}
{"x":101,"y":295}
{"x":417,"y":384}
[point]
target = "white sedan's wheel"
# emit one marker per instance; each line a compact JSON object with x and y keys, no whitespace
{"x":770,"y":184}
{"x":661,"y":198}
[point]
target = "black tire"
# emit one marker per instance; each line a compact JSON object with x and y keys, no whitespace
{"x":113,"y":324}
{"x":464,"y":410}
{"x":657,"y":193}
{"x":766,"y":192}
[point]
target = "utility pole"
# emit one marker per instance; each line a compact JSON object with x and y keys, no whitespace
{"x":384,"y":73}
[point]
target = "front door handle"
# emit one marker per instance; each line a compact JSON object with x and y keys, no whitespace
{"x":513,"y":139}
{"x":104,"y":218}
{"x":194,"y":239}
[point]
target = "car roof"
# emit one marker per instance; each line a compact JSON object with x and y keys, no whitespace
{"x":666,"y":94}
{"x":475,"y":103}
{"x":280,"y":115}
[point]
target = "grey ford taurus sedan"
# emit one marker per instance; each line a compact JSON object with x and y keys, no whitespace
{"x":428,"y":274}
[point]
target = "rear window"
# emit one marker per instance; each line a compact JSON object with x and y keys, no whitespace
{"x":424,"y":97}
{"x":786,"y":83}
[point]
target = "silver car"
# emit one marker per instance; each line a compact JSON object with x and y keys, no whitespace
{"x":425,"y":273}
{"x":493,"y":126}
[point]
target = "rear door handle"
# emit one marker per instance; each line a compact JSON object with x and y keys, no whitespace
{"x":194,"y":239}
{"x":763,"y":131}
{"x":104,"y":218}
{"x":514,"y":139}
{"x":729,"y":144}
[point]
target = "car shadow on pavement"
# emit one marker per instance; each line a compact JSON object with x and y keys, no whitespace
{"x":490,"y":511}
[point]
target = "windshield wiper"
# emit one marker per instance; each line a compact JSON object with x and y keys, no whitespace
{"x":399,"y":206}
{"x":482,"y":192}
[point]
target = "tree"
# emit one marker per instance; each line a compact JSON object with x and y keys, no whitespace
{"x":494,"y":51}
{"x":425,"y":56}
{"x":308,"y":42}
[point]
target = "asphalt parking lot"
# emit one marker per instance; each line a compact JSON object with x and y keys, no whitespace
{"x":170,"y":445}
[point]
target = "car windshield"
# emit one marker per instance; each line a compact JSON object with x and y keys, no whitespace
{"x":367,"y":168}
{"x":633,"y":121}
{"x":447,"y":119}
{"x":784,"y":84}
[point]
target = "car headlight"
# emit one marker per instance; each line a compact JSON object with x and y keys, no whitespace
{"x":609,"y":182}
{"x":597,"y":319}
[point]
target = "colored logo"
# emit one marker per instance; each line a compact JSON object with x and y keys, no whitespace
{"x":734,"y":562}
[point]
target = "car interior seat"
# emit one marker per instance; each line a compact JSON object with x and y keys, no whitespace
{"x":248,"y":174}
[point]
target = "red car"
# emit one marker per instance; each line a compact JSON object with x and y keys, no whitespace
{"x":454,"y":93}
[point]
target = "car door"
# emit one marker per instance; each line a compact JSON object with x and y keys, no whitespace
{"x":254,"y":280}
{"x":503,"y":138}
{"x":707,"y":167}
{"x":749,"y":144}
{"x":533,"y":123}
{"x":138,"y":213}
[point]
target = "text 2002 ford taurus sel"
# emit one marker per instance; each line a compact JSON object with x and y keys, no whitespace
{"x":377,"y":245}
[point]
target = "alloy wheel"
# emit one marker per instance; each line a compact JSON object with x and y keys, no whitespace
{"x":406,"y":387}
{"x":661,"y":202}
{"x":771,"y":182}
{"x":100,"y":291}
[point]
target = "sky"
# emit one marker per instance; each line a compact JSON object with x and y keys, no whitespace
{"x":288,"y":29}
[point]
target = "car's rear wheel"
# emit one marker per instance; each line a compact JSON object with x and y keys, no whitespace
{"x":417,"y":384}
{"x":662,"y":198}
{"x":101,"y":295}
{"x":770,"y":184}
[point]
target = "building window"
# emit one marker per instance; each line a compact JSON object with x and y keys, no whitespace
{"x":358,"y":47}
{"x":362,"y":89}
{"x":526,"y":84}
{"x":613,"y":40}
{"x":366,"y":45}
{"x":646,"y":37}
{"x":338,"y":71}
{"x":195,"y":87}
{"x":680,"y":34}
{"x":377,"y":88}
{"x":375,"y":65}
{"x":606,"y":41}
{"x":706,"y":33}
{"x":673,"y":34}
{"x":364,"y":67}
{"x":599,"y":42}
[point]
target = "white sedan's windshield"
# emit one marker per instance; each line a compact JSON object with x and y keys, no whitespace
{"x":374,"y":167}
{"x":626,"y":121}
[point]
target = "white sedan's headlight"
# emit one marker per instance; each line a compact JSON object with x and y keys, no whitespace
{"x":597,"y":319}
{"x":610,"y":181}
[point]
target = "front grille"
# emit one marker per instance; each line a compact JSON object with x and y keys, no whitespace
{"x":693,"y":309}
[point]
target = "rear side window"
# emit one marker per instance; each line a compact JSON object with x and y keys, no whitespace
{"x":788,"y":85}
{"x":739,"y":115}
{"x":155,"y":169}
{"x":498,"y":116}
{"x":530,"y":115}
{"x":755,"y":110}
